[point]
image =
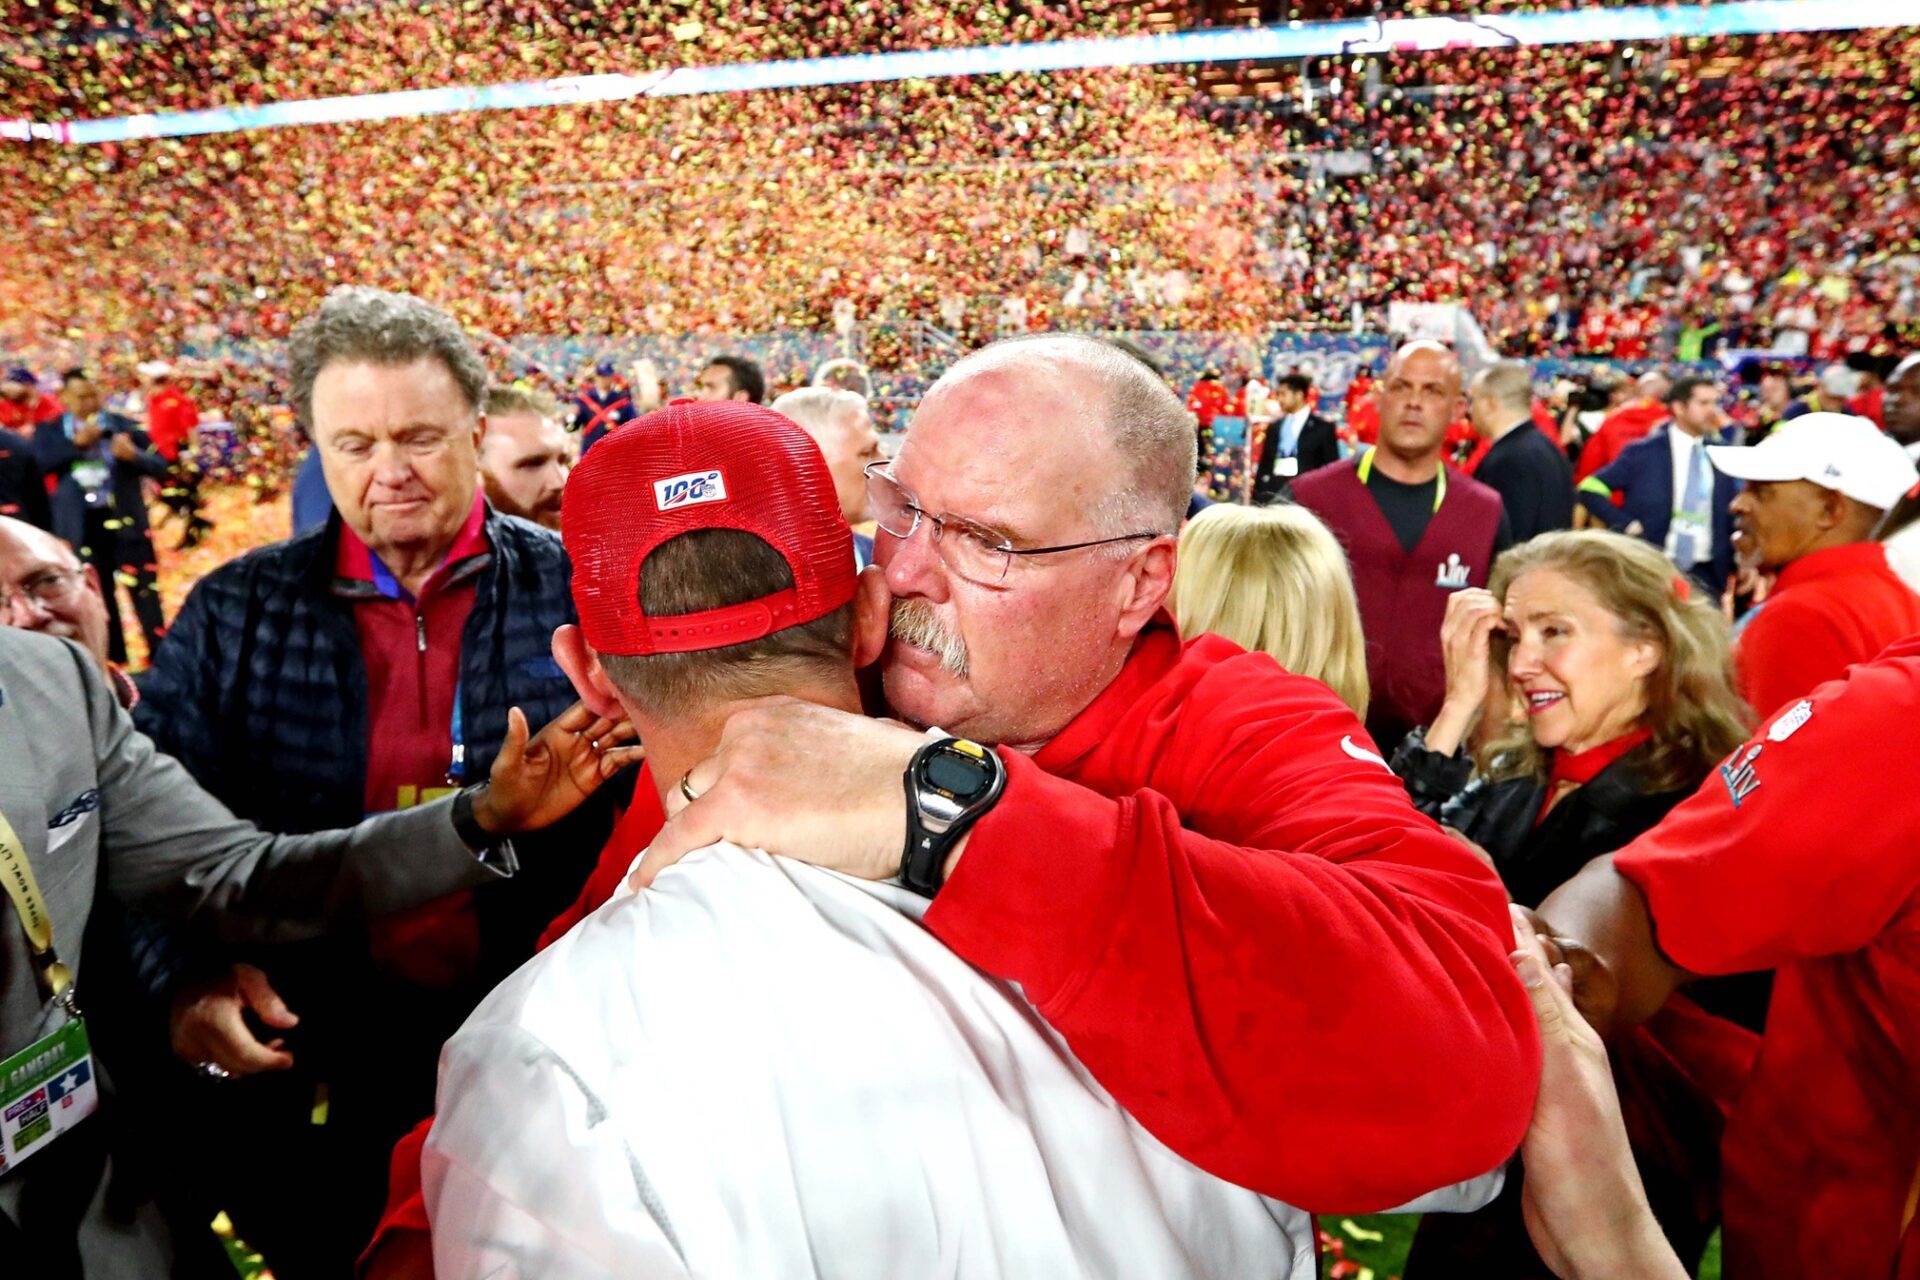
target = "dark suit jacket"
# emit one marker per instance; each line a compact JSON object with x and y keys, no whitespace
{"x":1317,"y":447}
{"x":23,"y":493}
{"x":1534,"y":481}
{"x":1641,"y":478}
{"x":57,"y":456}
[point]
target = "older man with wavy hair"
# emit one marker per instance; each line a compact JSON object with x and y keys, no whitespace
{"x":368,"y":665}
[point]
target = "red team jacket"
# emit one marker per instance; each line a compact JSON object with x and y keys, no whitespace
{"x":1798,"y":855}
{"x":1215,"y":890}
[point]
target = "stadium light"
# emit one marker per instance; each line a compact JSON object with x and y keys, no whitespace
{"x":1247,"y":44}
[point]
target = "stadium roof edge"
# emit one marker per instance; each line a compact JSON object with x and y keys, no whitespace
{"x":1240,"y":44}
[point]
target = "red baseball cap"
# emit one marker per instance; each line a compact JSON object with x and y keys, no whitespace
{"x":689,"y":466}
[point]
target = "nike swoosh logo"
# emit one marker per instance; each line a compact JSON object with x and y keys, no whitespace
{"x":1348,"y":745}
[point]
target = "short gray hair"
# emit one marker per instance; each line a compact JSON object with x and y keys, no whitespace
{"x":1148,"y":425}
{"x":1508,"y":383}
{"x":813,"y":408}
{"x":373,"y":326}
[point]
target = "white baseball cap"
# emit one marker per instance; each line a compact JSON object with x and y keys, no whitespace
{"x":154,"y":369}
{"x":1833,"y":450}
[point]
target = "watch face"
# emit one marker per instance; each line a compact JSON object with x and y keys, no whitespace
{"x":954,"y":773}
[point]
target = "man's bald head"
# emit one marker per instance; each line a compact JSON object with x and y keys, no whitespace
{"x":1117,"y":409}
{"x":1418,"y":397}
{"x":45,"y":588}
{"x":1654,"y":385}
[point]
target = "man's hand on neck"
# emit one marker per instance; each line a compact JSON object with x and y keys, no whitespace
{"x":675,"y":744}
{"x":814,"y":783}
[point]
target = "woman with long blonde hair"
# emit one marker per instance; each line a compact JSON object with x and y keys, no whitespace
{"x":1274,"y":580}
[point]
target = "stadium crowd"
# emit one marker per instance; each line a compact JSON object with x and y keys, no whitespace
{"x":622,"y":818}
{"x":1645,"y":202}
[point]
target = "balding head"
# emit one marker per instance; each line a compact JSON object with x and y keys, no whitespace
{"x":837,"y":421}
{"x":1418,"y":396}
{"x":1123,"y":413}
{"x":1502,"y":396}
{"x":1054,"y":441}
{"x":45,"y":588}
{"x":1654,"y":385}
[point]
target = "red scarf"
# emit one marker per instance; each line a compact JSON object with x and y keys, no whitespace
{"x":1578,"y":768}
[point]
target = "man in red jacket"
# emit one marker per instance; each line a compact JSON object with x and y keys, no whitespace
{"x":1198,"y":869}
{"x":1798,"y":856}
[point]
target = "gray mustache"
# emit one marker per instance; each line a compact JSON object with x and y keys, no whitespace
{"x":914,"y":622}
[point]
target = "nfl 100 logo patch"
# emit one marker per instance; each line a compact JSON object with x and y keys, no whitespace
{"x":689,"y":490}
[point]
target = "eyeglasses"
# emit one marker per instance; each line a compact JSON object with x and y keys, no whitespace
{"x":972,"y":550}
{"x":50,"y":589}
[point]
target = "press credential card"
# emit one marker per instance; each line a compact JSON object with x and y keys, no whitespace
{"x":45,"y":1089}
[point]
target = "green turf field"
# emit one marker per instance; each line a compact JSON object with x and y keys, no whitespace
{"x":1377,"y":1243}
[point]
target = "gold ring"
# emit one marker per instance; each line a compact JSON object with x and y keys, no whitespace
{"x":686,"y":790}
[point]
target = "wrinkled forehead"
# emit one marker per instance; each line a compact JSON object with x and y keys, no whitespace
{"x":368,"y":398}
{"x":1425,"y":367}
{"x":1020,"y":447}
{"x":22,"y":555}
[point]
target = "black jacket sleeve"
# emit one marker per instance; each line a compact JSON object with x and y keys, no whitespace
{"x":1432,"y":780}
{"x":1266,"y":485}
{"x":23,"y":486}
{"x":1319,"y":444}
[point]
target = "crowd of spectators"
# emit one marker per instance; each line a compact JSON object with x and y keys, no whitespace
{"x":1549,"y":691}
{"x":1627,"y":202}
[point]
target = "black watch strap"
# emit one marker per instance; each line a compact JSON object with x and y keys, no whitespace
{"x":466,"y":826}
{"x":951,"y":784}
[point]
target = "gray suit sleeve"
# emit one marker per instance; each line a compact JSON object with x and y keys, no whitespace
{"x":169,"y":846}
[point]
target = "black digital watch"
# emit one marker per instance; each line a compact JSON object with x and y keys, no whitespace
{"x":950,"y":785}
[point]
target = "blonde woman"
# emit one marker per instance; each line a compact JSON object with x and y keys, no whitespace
{"x":1621,"y":671}
{"x":1274,"y":580}
{"x":1622,"y":675}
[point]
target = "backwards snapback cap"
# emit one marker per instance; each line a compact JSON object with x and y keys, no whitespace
{"x":1833,"y":450}
{"x":693,"y":466}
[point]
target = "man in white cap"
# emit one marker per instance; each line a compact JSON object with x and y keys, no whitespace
{"x":1815,"y":490}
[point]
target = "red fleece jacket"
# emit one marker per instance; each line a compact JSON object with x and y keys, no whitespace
{"x":1216,"y":891}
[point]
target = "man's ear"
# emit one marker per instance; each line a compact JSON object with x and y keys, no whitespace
{"x":479,"y":431}
{"x":1836,"y":509}
{"x":872,"y":614}
{"x":583,"y":668}
{"x":1146,"y":585}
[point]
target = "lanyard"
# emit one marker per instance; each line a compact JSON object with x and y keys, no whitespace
{"x":1439,"y":478}
{"x":24,"y":890}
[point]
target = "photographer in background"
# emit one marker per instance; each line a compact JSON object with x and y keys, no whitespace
{"x":97,"y":460}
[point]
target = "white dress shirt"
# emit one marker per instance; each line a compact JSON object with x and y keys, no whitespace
{"x":1683,"y":447}
{"x":756,"y":1068}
